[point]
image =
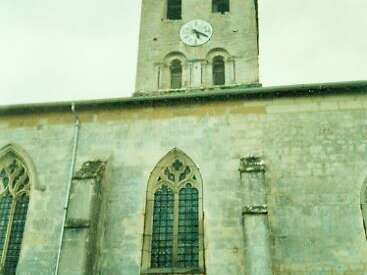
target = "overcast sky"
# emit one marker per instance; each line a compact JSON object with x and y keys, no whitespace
{"x":53,"y":50}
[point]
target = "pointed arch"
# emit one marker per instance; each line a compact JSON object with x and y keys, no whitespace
{"x":15,"y":187}
{"x":173,"y":228}
{"x":22,"y":155}
{"x":169,"y":158}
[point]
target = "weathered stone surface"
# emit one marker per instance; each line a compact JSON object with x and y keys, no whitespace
{"x":257,"y":253}
{"x":73,"y":258}
{"x":256,"y":229}
{"x":252,"y":164}
{"x":255,"y":209}
{"x":91,"y":169}
{"x":82,"y":235}
{"x":316,"y":162}
{"x":160,"y":44}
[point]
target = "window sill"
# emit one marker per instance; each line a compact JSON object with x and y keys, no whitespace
{"x":221,"y":13}
{"x":174,"y":270}
{"x":171,"y":20}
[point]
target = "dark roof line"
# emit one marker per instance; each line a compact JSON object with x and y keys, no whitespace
{"x":197,"y":96}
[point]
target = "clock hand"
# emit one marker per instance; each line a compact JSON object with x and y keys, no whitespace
{"x":200,"y":33}
{"x":197,"y":33}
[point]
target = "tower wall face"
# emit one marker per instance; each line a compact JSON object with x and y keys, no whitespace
{"x":234,"y":37}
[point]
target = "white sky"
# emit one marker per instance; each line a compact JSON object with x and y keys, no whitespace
{"x":86,"y":49}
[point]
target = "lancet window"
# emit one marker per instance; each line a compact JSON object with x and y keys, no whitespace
{"x":173,"y":234}
{"x":14,"y":199}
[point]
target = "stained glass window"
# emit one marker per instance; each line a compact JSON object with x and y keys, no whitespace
{"x":162,"y":239}
{"x":14,"y":199}
{"x":5,"y":205}
{"x":16,"y":236}
{"x":188,"y":227}
{"x":173,"y":241}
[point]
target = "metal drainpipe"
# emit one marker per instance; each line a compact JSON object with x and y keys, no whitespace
{"x":71,"y":173}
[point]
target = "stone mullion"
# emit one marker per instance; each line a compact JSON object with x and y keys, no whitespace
{"x":175,"y":229}
{"x":8,"y":234}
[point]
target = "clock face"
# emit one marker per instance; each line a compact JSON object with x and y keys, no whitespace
{"x":196,"y":32}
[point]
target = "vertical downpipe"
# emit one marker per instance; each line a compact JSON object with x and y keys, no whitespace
{"x":256,"y":232}
{"x":70,"y":179}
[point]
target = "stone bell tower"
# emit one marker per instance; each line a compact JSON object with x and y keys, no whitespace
{"x":197,"y":44}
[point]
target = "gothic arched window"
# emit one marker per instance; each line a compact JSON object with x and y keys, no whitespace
{"x":218,"y":70}
{"x":14,"y":198}
{"x":173,"y":232}
{"x":221,"y":6}
{"x":174,"y":9}
{"x":176,"y":74}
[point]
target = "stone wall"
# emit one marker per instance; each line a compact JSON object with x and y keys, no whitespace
{"x":315,"y":153}
{"x":159,"y":37}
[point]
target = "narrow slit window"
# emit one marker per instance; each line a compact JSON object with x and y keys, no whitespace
{"x":220,"y":6}
{"x":14,"y":199}
{"x":174,"y":9}
{"x":218,"y":71}
{"x":176,"y":74}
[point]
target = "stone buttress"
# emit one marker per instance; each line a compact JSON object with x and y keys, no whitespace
{"x":83,"y":228}
{"x":255,"y":217}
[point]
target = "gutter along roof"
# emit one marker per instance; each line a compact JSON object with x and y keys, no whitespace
{"x":197,"y":96}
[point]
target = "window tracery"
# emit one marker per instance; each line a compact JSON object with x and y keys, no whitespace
{"x":173,"y":234}
{"x":14,"y":199}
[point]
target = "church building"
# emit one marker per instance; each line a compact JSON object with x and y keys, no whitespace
{"x":202,"y":171}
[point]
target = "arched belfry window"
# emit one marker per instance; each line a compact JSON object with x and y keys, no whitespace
{"x":176,"y":74}
{"x":174,"y":9}
{"x":219,"y":77}
{"x":14,"y":198}
{"x":220,"y":6}
{"x":173,"y":231}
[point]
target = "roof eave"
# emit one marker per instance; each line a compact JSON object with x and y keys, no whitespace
{"x":197,"y":97}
